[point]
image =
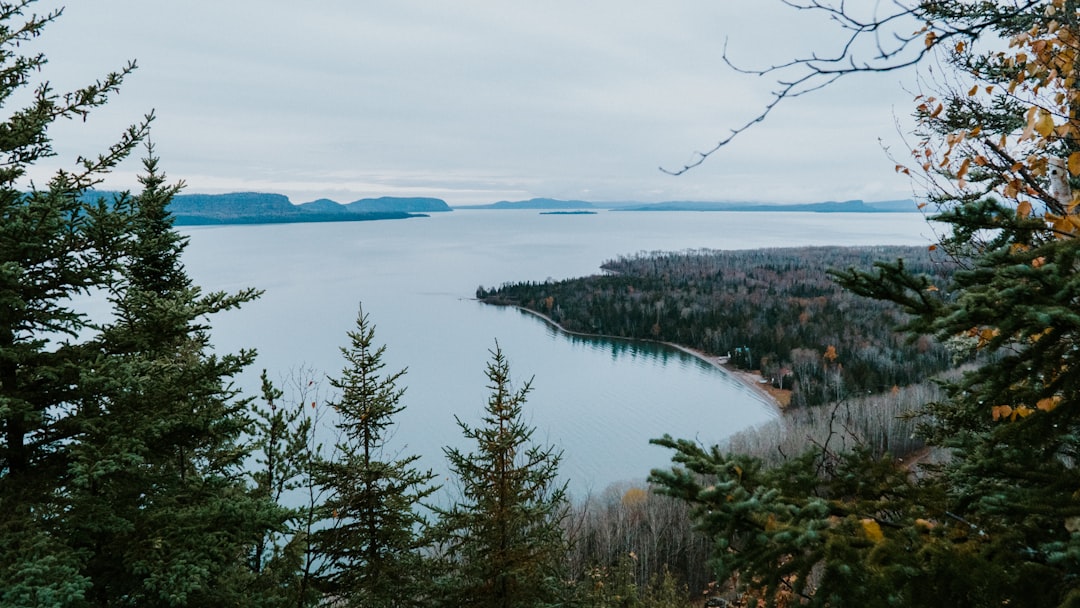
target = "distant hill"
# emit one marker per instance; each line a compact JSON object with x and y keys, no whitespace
{"x":536,"y":203}
{"x":389,"y":203}
{"x":267,"y":208}
{"x":264,"y":208}
{"x":852,"y":206}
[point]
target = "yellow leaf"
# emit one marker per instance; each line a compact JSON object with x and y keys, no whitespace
{"x":962,"y":171}
{"x":1023,"y":209}
{"x":1049,"y":403}
{"x":1038,"y":262}
{"x":1044,"y":125}
{"x":872,"y":530}
{"x":1022,"y":411}
{"x":1059,"y":224}
{"x":1032,"y":115}
{"x":931,"y":37}
{"x":1074,"y":163}
{"x":1039,"y":336}
{"x":1011,"y":189}
{"x":1000,"y":411}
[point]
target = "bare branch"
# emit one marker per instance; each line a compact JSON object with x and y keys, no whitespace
{"x":933,"y":26}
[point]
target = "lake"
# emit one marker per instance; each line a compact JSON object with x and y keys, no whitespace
{"x":600,"y":401}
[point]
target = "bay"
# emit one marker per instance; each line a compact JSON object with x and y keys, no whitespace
{"x":600,"y":401}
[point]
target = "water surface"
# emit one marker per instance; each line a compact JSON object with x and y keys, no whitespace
{"x":600,"y":401}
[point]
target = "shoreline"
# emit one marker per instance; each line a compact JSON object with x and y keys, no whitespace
{"x":748,"y":379}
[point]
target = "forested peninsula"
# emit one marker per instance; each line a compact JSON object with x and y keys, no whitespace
{"x":774,"y":310}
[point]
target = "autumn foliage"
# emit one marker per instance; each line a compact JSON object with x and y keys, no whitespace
{"x":997,"y":151}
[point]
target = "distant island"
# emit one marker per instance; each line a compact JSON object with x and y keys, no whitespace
{"x":264,"y":208}
{"x":260,"y":208}
{"x":267,"y":208}
{"x":537,"y":203}
{"x":852,"y":206}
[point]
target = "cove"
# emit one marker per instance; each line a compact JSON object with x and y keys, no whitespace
{"x":599,"y":400}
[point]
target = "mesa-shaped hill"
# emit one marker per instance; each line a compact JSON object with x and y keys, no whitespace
{"x":267,"y":208}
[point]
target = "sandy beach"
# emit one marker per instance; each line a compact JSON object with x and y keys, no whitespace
{"x":749,"y":378}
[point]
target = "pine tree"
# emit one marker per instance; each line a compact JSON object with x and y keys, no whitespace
{"x":371,"y":544}
{"x":503,"y":537}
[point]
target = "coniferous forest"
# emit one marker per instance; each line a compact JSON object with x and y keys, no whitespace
{"x":779,"y":311}
{"x":133,"y":472}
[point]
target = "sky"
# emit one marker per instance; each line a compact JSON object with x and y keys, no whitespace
{"x":476,"y":101}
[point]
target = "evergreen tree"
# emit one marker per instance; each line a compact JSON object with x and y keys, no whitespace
{"x":371,"y":544}
{"x":283,"y":560}
{"x":997,"y":523}
{"x":120,"y":438}
{"x":159,"y":503}
{"x":503,"y":537}
{"x":55,"y":245}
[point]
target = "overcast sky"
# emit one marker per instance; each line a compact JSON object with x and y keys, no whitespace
{"x":475,"y":101}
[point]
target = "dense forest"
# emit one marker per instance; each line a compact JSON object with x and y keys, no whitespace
{"x":133,"y":472}
{"x":777,"y":310}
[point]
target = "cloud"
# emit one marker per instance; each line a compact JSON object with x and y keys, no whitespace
{"x":480,"y":98}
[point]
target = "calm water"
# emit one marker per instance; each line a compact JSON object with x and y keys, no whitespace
{"x":600,"y":401}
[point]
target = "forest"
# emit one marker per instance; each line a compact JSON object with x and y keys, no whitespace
{"x":779,"y":311}
{"x":133,"y":472}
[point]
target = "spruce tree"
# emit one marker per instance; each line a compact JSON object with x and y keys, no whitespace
{"x":120,"y":438}
{"x":55,"y":246}
{"x":502,"y":538}
{"x":159,"y":503}
{"x":371,"y":545}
